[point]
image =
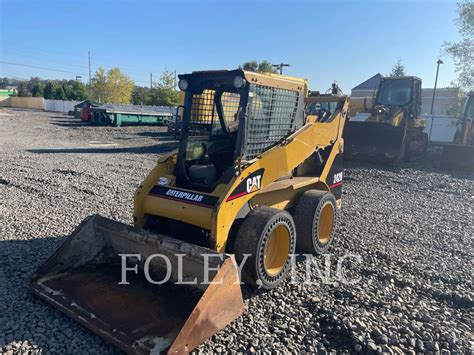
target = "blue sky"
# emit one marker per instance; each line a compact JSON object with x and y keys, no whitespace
{"x":346,"y":41}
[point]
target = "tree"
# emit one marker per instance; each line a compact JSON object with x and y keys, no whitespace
{"x":111,"y":86}
{"x":119,"y":87}
{"x":164,"y":93}
{"x":49,"y":89}
{"x":99,"y":85}
{"x":140,"y":95}
{"x":462,"y":52}
{"x":59,"y":93}
{"x":250,"y":66}
{"x":398,"y":69}
{"x":264,"y":66}
{"x":76,"y":91}
{"x":22,"y":90}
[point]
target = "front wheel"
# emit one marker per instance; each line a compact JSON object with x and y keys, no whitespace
{"x":268,"y":237}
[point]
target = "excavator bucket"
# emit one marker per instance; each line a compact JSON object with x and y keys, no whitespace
{"x":144,"y":293}
{"x":458,"y":157}
{"x":373,"y":142}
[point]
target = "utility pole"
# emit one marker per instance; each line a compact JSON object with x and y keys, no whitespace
{"x":280,"y":66}
{"x":436,"y":83}
{"x":434,"y":93}
{"x":90,"y":74}
{"x":151,"y":81}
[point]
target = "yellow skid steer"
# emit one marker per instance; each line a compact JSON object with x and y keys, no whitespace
{"x":254,"y":179}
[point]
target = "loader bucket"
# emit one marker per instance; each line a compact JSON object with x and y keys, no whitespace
{"x":458,"y":157}
{"x":373,"y":142}
{"x":84,"y":279}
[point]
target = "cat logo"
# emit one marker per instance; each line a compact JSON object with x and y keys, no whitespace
{"x":254,"y":183}
{"x":251,"y":184}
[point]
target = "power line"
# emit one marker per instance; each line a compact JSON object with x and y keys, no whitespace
{"x":43,"y":68}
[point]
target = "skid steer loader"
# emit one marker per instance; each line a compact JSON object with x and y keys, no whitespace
{"x":460,"y":154}
{"x":393,"y":130}
{"x":253,"y":178}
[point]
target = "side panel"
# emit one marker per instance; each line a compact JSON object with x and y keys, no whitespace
{"x":335,"y":177}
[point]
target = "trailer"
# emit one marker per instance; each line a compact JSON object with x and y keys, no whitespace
{"x":118,"y":115}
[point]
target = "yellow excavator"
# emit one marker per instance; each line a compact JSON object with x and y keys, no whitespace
{"x":254,"y":179}
{"x":460,"y":154}
{"x":392,"y":129}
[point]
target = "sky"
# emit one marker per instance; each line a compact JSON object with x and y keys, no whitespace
{"x":323,"y":41}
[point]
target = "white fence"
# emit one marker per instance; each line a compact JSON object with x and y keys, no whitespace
{"x":440,"y":129}
{"x":59,"y":105}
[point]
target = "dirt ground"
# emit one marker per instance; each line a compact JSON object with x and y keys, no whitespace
{"x":412,"y":227}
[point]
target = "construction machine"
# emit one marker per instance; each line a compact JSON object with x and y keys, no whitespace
{"x":253,"y":179}
{"x":393,"y":129}
{"x":460,"y":154}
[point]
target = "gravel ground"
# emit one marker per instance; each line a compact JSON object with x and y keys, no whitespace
{"x":406,"y":234}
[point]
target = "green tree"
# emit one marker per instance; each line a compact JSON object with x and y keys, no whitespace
{"x":76,"y":91}
{"x":59,"y":93}
{"x":164,"y":93}
{"x":462,"y":52}
{"x":250,"y":66}
{"x":99,"y":85}
{"x":49,"y":89}
{"x":35,"y":86}
{"x":398,"y":69}
{"x":140,"y":95}
{"x":119,"y":87}
{"x":264,"y":66}
{"x":111,"y":86}
{"x":22,"y":90}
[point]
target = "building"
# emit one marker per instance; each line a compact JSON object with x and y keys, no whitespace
{"x":367,"y":88}
{"x":445,"y":99}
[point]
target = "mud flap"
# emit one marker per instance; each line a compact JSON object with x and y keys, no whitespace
{"x":458,"y":157}
{"x":374,"y":142}
{"x":84,"y":279}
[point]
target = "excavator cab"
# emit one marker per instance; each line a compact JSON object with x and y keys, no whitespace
{"x":394,"y":129}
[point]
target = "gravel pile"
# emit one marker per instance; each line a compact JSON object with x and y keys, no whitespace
{"x":405,"y":284}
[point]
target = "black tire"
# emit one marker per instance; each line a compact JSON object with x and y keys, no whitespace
{"x":261,"y":229}
{"x":310,"y":212}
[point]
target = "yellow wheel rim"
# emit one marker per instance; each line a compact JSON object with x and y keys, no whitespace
{"x":326,"y":223}
{"x":277,"y":248}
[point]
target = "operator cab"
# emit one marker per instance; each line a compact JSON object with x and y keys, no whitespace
{"x":230,"y":117}
{"x":398,"y":92}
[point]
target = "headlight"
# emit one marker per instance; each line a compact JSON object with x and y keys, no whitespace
{"x":183,"y":84}
{"x":239,"y":82}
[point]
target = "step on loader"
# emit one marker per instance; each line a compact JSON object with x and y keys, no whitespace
{"x":393,"y":129}
{"x":254,"y":179}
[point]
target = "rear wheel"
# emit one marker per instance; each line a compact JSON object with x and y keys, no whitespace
{"x":268,"y":236}
{"x":315,"y":218}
